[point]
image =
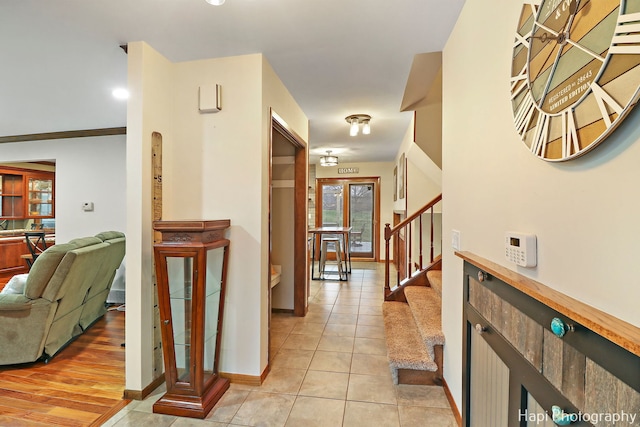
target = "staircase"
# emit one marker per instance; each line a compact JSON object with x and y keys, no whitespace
{"x":412,"y":310}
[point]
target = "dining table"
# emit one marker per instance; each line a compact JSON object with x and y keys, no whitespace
{"x":343,"y":233}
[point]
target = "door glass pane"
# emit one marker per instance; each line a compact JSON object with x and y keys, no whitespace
{"x":180,"y":272}
{"x":215,"y":259}
{"x":332,"y":206}
{"x":361,"y":219}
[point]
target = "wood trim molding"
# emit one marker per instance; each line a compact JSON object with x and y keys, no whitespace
{"x":452,"y":402}
{"x":64,"y":134}
{"x":109,"y":414}
{"x":251,"y":380}
{"x":141,"y":394}
{"x":604,"y":324}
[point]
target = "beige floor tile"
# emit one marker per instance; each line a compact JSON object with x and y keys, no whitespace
{"x":375,"y":302}
{"x":343,"y":319}
{"x":336,"y":343}
{"x":369,"y":320}
{"x":350,"y":292}
{"x":365,"y":331}
{"x":317,"y":317}
{"x":422,"y":395}
{"x":324,"y":299}
{"x":292,"y":358}
{"x":339,"y":330}
{"x":373,"y":291}
{"x":364,"y":414}
{"x":301,"y":342}
{"x":331,"y":361}
{"x":345,"y":309}
{"x":283,"y":380}
{"x":308,"y":328}
{"x":320,"y":308}
{"x":370,"y":346}
{"x":370,"y":364}
{"x":371,"y":388}
{"x":348,"y":301}
{"x":331,"y":385}
{"x":194,"y":422}
{"x":264,"y":409}
{"x":371,"y":309}
{"x":144,"y":419}
{"x":316,"y":412}
{"x":227,"y":406}
{"x":412,"y":416}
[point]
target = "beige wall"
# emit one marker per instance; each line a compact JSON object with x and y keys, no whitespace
{"x":584,"y":212}
{"x":215,"y":166}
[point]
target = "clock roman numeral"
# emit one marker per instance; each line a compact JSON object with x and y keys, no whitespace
{"x":570,"y":143}
{"x":541,"y":136}
{"x":604,"y":99}
{"x":626,"y":37}
{"x":518,"y":82}
{"x":522,"y":40}
{"x":524,"y":114}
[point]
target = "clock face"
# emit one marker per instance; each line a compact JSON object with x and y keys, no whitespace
{"x":575,"y":73}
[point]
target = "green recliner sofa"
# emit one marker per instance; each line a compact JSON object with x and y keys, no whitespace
{"x":64,"y":294}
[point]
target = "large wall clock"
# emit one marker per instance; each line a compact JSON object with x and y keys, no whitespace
{"x":575,"y":73}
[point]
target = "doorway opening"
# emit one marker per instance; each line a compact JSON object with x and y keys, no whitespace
{"x":355,"y":203}
{"x":288,"y":181}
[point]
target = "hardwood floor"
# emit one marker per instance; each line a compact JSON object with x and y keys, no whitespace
{"x":81,"y":386}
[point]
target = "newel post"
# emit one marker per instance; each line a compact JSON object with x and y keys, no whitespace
{"x":387,"y":238}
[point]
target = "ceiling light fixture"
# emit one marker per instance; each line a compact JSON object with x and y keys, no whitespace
{"x":120,"y":93}
{"x":215,"y":2}
{"x":328,"y":160}
{"x":355,"y":120}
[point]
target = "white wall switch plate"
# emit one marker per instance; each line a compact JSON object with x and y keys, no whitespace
{"x":455,"y":239}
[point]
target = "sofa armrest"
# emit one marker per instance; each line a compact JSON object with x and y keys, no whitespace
{"x":14,"y":302}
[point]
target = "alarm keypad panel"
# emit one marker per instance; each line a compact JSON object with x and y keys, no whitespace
{"x":521,"y":248}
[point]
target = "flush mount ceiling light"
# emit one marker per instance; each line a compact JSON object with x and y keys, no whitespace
{"x":328,"y":160}
{"x":355,"y":120}
{"x":215,"y":2}
{"x":120,"y":93}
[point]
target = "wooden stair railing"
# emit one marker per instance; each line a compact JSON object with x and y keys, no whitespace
{"x":403,"y":245}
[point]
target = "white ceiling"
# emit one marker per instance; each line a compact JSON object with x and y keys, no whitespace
{"x":61,"y":58}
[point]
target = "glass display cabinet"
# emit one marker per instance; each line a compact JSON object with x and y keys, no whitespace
{"x":191,"y":264}
{"x":40,"y":192}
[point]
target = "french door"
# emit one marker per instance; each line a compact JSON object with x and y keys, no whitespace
{"x":355,"y":203}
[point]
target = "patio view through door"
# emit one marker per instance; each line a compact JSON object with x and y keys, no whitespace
{"x":351,"y":202}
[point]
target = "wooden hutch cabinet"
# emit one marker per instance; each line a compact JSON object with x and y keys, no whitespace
{"x":26,"y":194}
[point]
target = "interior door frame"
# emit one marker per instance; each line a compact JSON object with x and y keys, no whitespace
{"x":301,"y":180}
{"x":376,"y":207}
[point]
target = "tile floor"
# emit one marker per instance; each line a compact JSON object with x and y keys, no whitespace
{"x":327,"y":369}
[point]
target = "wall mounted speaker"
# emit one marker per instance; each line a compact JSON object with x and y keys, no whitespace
{"x":209,"y":98}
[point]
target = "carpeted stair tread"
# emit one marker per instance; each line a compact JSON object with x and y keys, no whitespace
{"x":405,"y":346}
{"x":425,"y":305}
{"x":435,"y":279}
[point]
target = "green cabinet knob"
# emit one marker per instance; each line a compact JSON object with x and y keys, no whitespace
{"x":559,"y":328}
{"x":562,"y":418}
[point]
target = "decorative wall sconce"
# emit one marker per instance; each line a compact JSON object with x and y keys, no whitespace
{"x":215,"y":2}
{"x":355,"y":120}
{"x":328,"y":160}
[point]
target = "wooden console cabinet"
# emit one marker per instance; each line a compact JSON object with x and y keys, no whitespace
{"x":533,"y":356}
